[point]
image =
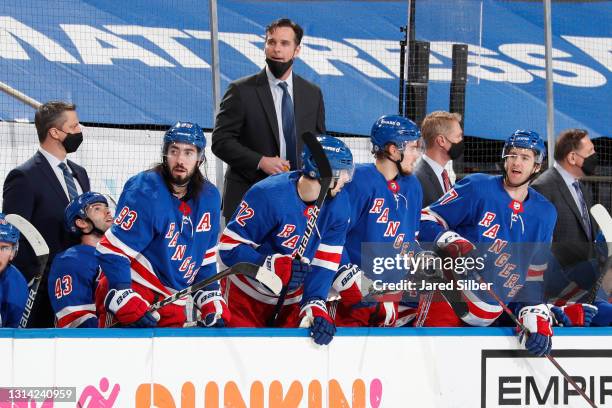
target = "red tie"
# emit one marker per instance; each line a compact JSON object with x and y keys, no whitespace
{"x":446,"y":180}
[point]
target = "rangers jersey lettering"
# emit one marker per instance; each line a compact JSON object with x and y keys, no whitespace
{"x":381,"y":212}
{"x":159,"y":241}
{"x":272,"y":219}
{"x":512,"y":237}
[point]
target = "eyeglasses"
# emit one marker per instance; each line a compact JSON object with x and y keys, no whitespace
{"x":5,"y":249}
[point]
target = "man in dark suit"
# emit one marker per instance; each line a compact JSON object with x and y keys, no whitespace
{"x":443,"y":139}
{"x":262,"y":117}
{"x":39,"y":190}
{"x":575,"y":157}
{"x":575,"y":231}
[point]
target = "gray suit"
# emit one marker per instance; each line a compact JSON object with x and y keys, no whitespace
{"x":432,"y":190}
{"x":571,"y":242}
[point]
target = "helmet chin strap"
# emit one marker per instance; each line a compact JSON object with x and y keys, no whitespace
{"x":398,"y":163}
{"x":94,"y":229}
{"x":331,"y":187}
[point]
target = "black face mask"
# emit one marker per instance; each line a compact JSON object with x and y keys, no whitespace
{"x":72,"y":142}
{"x":278,"y":68}
{"x":456,"y":150}
{"x":589,"y":164}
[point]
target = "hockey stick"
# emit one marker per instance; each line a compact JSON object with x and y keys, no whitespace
{"x":528,"y":333}
{"x":604,"y":220}
{"x":41,"y":250}
{"x":453,"y":297}
{"x":259,"y":273}
{"x":325,"y":173}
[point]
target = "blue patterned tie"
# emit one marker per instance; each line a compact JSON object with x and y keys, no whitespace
{"x":583,"y":208}
{"x":72,"y":190}
{"x":288,"y":126}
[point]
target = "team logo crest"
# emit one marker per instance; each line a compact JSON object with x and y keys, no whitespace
{"x":516,"y":207}
{"x":393,"y":186}
{"x":309,"y":211}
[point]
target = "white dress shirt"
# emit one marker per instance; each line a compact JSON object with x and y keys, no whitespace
{"x":277,"y":96}
{"x":54,"y":162}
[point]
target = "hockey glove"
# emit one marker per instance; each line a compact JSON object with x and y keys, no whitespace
{"x":426,"y":267}
{"x":130,"y":309}
{"x":347,"y":283}
{"x":291,"y":271}
{"x":213,"y":308}
{"x":538,"y":321}
{"x":604,"y":314}
{"x":577,"y":314}
{"x":314,"y":314}
{"x":451,"y":244}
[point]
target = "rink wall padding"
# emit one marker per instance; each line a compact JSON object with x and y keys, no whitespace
{"x":281,"y":368}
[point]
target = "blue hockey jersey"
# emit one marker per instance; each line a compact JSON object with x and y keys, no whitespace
{"x":512,"y":240}
{"x":159,"y":241}
{"x":13,"y":296}
{"x":382,"y":212}
{"x":271,"y":219}
{"x":73,"y":278}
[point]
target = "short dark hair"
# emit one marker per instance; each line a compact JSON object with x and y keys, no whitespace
{"x":50,"y":115}
{"x":568,"y":141}
{"x":285,"y":22}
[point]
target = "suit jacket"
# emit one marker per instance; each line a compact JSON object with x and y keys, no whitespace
{"x":432,"y":190}
{"x":33,"y":191}
{"x":246,"y":129}
{"x":571,"y":242}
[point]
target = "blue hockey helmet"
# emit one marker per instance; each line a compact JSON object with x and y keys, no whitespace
{"x":185,"y":132}
{"x":393,"y":129}
{"x":339,"y":156}
{"x":8,"y":233}
{"x":77,"y":208}
{"x":526,"y":139}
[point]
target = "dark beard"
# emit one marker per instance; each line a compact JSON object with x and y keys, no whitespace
{"x":181,"y":181}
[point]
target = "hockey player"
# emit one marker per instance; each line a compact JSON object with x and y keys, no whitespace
{"x":512,"y":225}
{"x":13,"y":286}
{"x":267,"y":228}
{"x":74,"y":273}
{"x":385,"y":211}
{"x":164,"y":239}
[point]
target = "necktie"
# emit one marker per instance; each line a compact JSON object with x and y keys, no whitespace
{"x":583,"y":209}
{"x":72,"y":190}
{"x":288,"y":126}
{"x":446,"y":180}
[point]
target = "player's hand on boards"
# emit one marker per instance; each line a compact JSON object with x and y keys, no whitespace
{"x":449,"y":243}
{"x":314,"y":314}
{"x":273,"y":165}
{"x":577,"y":314}
{"x":538,"y":321}
{"x":130,"y":309}
{"x":291,"y":271}
{"x":213,"y":309}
